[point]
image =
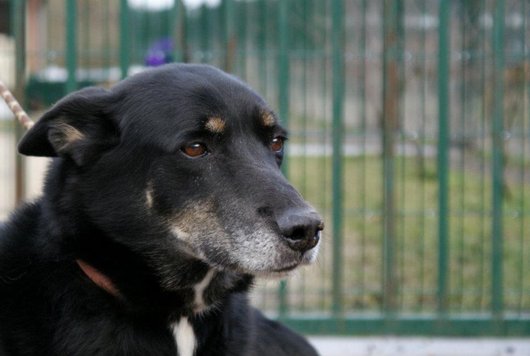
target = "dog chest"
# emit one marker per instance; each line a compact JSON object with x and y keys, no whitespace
{"x":183,"y":333}
{"x":184,"y":337}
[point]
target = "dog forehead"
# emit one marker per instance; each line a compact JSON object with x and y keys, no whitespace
{"x":184,"y":82}
{"x":165,"y":107}
{"x":186,"y":97}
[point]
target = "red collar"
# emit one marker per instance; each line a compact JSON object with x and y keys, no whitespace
{"x":99,"y":279}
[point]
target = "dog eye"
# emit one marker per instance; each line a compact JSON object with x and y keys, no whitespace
{"x":195,"y":149}
{"x":277,"y":144}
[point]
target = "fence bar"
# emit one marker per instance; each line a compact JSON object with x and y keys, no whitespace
{"x":483,"y":142}
{"x":498,"y":161}
{"x":107,"y":57}
{"x":322,"y":111}
{"x":457,"y":288}
{"x":124,"y":38}
{"x":244,"y":32}
{"x":362,"y":172}
{"x":337,"y":44}
{"x":443,"y":157}
{"x":390,"y":120}
{"x":524,"y":147}
{"x":422,"y":163}
{"x":302,"y":84}
{"x":229,"y":35}
{"x":84,"y":41}
{"x":400,"y":239}
{"x":176,"y":25}
{"x":18,"y":10}
{"x":205,"y":29}
{"x":283,"y":104}
{"x":262,"y":46}
{"x":71,"y":45}
{"x":369,"y":325}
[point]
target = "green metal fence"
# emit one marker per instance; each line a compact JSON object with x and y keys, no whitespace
{"x":410,"y":132}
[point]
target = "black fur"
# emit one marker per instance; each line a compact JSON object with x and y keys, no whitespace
{"x":122,"y":196}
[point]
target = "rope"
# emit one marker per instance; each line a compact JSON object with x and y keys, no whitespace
{"x":15,"y":107}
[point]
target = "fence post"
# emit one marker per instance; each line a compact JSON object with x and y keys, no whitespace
{"x":71,"y":45}
{"x":205,"y":39}
{"x":177,"y":30}
{"x":18,"y":29}
{"x":283,"y":105}
{"x":337,"y":47}
{"x":262,"y":46}
{"x":443,"y":158}
{"x":229,"y":35}
{"x":390,"y":120}
{"x":124,"y":38}
{"x":497,"y":132}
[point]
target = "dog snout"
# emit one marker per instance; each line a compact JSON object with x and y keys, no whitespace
{"x":301,"y":229}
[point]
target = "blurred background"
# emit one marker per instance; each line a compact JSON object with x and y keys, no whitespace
{"x":409,"y":130}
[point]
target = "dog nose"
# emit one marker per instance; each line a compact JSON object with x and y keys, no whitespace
{"x":301,"y":229}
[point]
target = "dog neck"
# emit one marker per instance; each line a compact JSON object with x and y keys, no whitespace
{"x":99,"y":279}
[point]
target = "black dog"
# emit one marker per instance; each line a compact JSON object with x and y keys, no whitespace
{"x":163,"y":203}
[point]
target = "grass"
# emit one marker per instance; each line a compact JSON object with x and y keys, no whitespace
{"x":415,"y":238}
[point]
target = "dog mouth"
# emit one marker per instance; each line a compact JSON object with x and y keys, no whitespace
{"x":305,"y":258}
{"x":286,"y":262}
{"x":287,"y":268}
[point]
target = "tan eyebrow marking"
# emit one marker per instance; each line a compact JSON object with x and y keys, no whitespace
{"x":268,"y":119}
{"x":215,"y":124}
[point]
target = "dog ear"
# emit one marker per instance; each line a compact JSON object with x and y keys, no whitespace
{"x":79,"y":126}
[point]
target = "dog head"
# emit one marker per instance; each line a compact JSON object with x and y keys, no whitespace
{"x":182,"y":161}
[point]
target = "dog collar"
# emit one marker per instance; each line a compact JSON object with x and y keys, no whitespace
{"x":99,"y":278}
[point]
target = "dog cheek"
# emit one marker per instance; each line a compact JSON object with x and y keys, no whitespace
{"x":241,"y":242}
{"x":198,"y":226}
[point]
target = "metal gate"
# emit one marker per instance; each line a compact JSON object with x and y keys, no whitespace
{"x":410,"y":132}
